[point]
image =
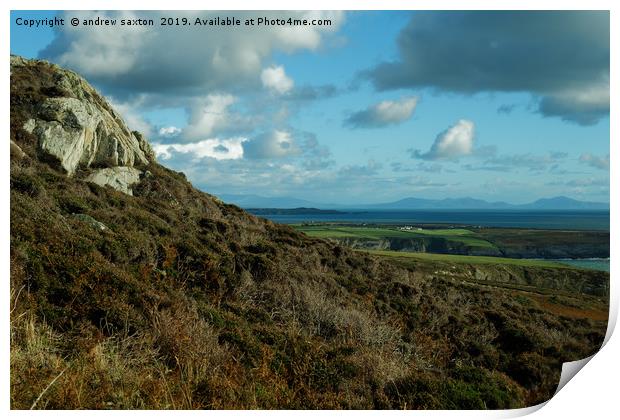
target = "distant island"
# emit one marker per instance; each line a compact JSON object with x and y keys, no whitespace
{"x":298,"y":210}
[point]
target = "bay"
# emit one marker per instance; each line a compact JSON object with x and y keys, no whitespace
{"x":538,"y":219}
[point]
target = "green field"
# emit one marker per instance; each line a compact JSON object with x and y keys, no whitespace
{"x":467,"y":259}
{"x":464,"y":236}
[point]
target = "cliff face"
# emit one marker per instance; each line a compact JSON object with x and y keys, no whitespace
{"x":76,"y":127}
{"x":170,"y":298}
{"x":431,"y":245}
{"x":596,"y":246}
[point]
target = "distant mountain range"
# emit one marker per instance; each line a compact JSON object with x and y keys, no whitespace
{"x":555,"y":203}
{"x":412,"y":203}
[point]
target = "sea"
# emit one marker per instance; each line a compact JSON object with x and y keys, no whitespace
{"x":600,"y":264}
{"x":530,"y":219}
{"x":538,"y":219}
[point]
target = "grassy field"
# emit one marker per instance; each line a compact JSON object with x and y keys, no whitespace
{"x":464,"y":236}
{"x":513,"y":243}
{"x":468,"y":259}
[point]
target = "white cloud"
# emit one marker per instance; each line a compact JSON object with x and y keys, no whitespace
{"x":171,"y":131}
{"x":593,"y":95}
{"x":599,"y":162}
{"x":149,"y":60}
{"x":129,"y":112}
{"x":584,"y":104}
{"x":226,"y":149}
{"x":275,"y":79}
{"x":453,"y":143}
{"x":396,"y":111}
{"x":276,"y":144}
{"x":561,"y":58}
{"x":102,"y":51}
{"x":384,"y":113}
{"x":208,"y":115}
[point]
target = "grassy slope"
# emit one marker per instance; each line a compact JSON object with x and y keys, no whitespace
{"x":187,"y":302}
{"x":455,"y":235}
{"x":542,"y":277}
{"x":564,"y":298}
{"x":572,"y":244}
{"x":469,"y":259}
{"x":516,"y":243}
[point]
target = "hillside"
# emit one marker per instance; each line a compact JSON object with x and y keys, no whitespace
{"x":132,"y":289}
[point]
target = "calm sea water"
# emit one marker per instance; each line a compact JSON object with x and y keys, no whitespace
{"x":601,"y":264}
{"x":581,"y":220}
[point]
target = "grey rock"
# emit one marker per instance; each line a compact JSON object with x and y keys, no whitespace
{"x":17,"y":61}
{"x":30,"y":125}
{"x":16,"y":151}
{"x":79,"y":127}
{"x":121,"y":178}
{"x":96,"y":224}
{"x":145,"y":146}
{"x":81,"y":134}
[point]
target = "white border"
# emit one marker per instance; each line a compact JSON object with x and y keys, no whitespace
{"x":592,"y":394}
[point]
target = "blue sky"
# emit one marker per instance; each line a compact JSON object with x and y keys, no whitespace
{"x":510,"y":106}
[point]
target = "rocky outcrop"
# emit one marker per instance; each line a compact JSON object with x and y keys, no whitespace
{"x":145,"y":146}
{"x":78,"y":128}
{"x":121,"y":178}
{"x":89,"y":220}
{"x":569,"y":280}
{"x":77,"y":133}
{"x":16,"y":151}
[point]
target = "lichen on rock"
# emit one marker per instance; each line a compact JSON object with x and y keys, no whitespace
{"x":121,"y":178}
{"x":79,"y":129}
{"x":80,"y":134}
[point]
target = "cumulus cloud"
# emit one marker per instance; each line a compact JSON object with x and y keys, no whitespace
{"x":225,"y":149}
{"x":383,"y":114}
{"x":144,"y":59}
{"x":451,"y":144}
{"x":599,"y":162}
{"x":275,"y":79}
{"x":98,"y":52}
{"x":131,"y":117}
{"x":274,"y":144}
{"x":584,"y":105}
{"x":169,"y":132}
{"x":211,"y":114}
{"x":560,"y":57}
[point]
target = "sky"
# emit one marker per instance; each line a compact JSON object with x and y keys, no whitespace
{"x":374,"y":107}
